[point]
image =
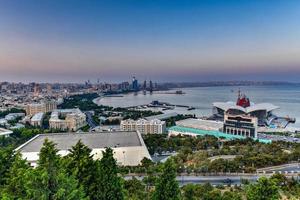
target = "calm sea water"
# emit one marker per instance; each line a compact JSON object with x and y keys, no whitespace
{"x":286,"y":97}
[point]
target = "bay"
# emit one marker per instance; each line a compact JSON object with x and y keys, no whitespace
{"x":287,"y":97}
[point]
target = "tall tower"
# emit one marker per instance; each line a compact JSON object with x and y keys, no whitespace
{"x":135,"y":84}
{"x":49,"y":89}
{"x":36,"y":89}
{"x":151,"y":87}
{"x":145,"y":85}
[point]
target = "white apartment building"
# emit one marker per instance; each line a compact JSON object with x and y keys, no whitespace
{"x":32,"y":109}
{"x":67,"y":119}
{"x":154,"y":126}
{"x":37,"y":119}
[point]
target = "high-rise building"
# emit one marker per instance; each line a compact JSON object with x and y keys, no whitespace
{"x":135,"y":84}
{"x":151,"y":87}
{"x":49,"y":89}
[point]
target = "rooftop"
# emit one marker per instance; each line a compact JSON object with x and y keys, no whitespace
{"x":253,"y":107}
{"x":5,"y":132}
{"x":65,"y":141}
{"x":200,"y":124}
{"x":37,"y":117}
{"x":217,"y":134}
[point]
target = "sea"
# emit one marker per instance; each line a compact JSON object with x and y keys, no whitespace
{"x":287,"y":97}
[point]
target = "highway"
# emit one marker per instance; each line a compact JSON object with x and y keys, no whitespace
{"x":289,"y":170}
{"x":278,"y":138}
{"x":214,"y":179}
{"x":89,"y":119}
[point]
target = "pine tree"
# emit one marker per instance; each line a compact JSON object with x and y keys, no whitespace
{"x":81,"y":165}
{"x":16,"y":178}
{"x":7,"y":157}
{"x":110,"y":185}
{"x":167,"y":186}
{"x":49,"y":180}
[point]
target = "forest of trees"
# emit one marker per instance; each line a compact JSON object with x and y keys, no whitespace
{"x":193,"y":153}
{"x":78,"y":176}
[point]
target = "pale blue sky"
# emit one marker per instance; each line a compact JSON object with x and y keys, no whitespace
{"x":68,"y":40}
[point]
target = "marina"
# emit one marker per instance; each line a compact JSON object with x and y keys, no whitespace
{"x":201,"y":100}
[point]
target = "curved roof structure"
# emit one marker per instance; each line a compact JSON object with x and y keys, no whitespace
{"x":268,"y":107}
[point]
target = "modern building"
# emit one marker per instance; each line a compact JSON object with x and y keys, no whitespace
{"x":262,"y":111}
{"x":37,"y":119}
{"x":135,"y":84}
{"x":243,"y":125}
{"x":44,"y":107}
{"x":67,"y":119}
{"x":129,"y":147}
{"x":154,"y":126}
{"x":199,"y":127}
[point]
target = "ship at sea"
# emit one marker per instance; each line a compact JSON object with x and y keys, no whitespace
{"x":264,"y":112}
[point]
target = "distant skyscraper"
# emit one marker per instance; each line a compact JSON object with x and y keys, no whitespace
{"x":145,"y":85}
{"x":135,"y":84}
{"x":151,"y":87}
{"x":49,"y":89}
{"x":36,"y":89}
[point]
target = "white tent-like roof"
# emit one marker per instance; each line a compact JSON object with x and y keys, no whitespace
{"x":268,"y":107}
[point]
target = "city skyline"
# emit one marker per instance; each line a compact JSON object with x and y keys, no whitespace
{"x":73,"y":41}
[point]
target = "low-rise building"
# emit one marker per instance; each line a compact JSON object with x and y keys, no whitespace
{"x":154,"y":126}
{"x":37,"y":119}
{"x":13,"y":116}
{"x":129,"y":147}
{"x":67,"y":119}
{"x":44,"y":107}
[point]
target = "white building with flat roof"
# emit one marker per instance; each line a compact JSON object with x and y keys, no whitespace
{"x":154,"y":126}
{"x":208,"y":125}
{"x":129,"y":147}
{"x":5,"y":132}
{"x":37,"y":119}
{"x":13,"y":116}
{"x":67,"y":119}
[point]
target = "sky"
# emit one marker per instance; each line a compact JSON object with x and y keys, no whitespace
{"x":162,"y":40}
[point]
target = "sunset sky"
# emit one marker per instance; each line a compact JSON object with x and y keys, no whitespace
{"x":72,"y":41}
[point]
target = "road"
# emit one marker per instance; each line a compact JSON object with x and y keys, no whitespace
{"x":287,"y":168}
{"x":278,"y":138}
{"x":214,"y":180}
{"x":89,"y":119}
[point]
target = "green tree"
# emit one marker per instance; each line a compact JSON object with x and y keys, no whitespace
{"x":264,"y":189}
{"x":7,"y":158}
{"x":135,"y":189}
{"x":189,"y":192}
{"x":49,"y":181}
{"x":213,"y":195}
{"x":229,"y":195}
{"x":16,"y":178}
{"x":109,"y":183}
{"x":81,"y":165}
{"x":167,"y":186}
